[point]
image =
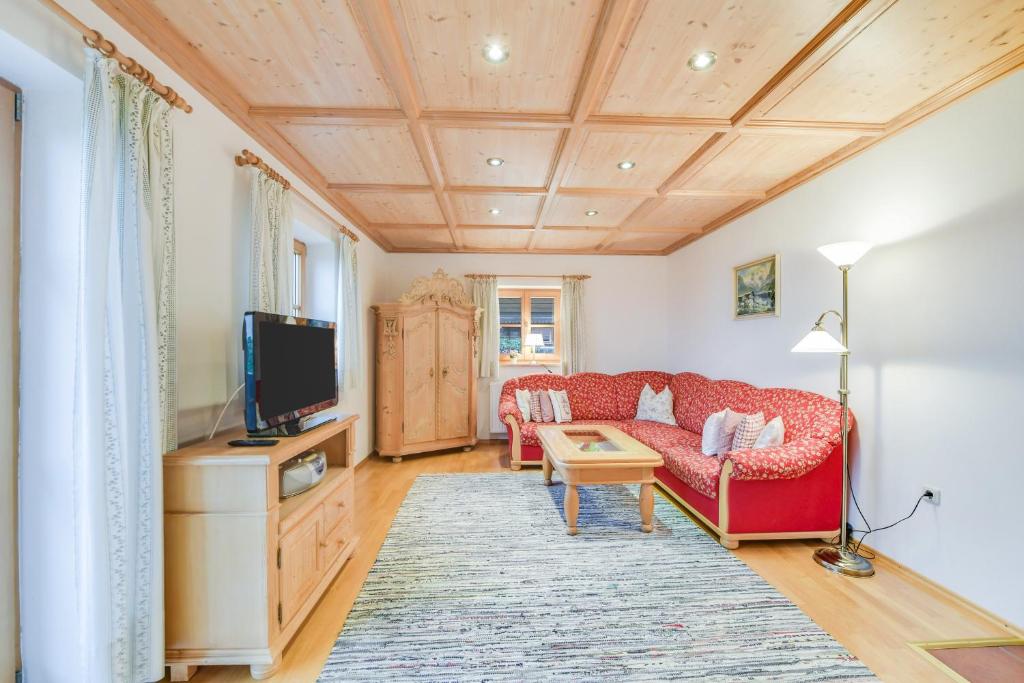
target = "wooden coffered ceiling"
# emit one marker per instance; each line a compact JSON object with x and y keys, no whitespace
{"x":389,"y":110}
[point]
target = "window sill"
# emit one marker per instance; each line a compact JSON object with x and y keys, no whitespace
{"x":554,"y":362}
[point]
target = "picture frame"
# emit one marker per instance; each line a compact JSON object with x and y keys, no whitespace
{"x":756,"y":290}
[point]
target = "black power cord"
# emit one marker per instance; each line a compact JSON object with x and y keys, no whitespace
{"x":870,"y":530}
{"x":927,"y":494}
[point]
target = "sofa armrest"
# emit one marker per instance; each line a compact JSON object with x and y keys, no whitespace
{"x":787,"y":461}
{"x":508,"y":406}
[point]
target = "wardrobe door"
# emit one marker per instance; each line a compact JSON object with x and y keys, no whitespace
{"x":420,"y":351}
{"x":455,"y":365}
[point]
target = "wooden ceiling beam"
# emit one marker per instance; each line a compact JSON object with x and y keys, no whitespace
{"x":611,"y":37}
{"x":378,"y":188}
{"x":380,"y":33}
{"x":145,"y":24}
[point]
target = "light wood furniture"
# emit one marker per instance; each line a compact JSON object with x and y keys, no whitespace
{"x":627,"y":461}
{"x":389,"y":110}
{"x":426,"y":374}
{"x":243,"y":568}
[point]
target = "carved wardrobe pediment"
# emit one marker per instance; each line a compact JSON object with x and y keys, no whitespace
{"x":438,"y":289}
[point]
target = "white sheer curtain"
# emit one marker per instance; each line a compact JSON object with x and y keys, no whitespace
{"x":574,"y":330}
{"x":270,"y":275}
{"x":124,"y":384}
{"x":485,"y":297}
{"x":350,"y":315}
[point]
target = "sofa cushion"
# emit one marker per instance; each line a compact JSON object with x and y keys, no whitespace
{"x":693,"y":467}
{"x":659,"y":436}
{"x":805,"y":414}
{"x":685,"y":386}
{"x":628,"y":386}
{"x":718,"y":395}
{"x":528,"y":431}
{"x":592,"y":396}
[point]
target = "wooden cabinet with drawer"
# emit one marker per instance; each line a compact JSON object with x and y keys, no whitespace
{"x":244,"y":568}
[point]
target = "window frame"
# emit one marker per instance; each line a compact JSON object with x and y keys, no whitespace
{"x":525,"y":295}
{"x":299,"y":276}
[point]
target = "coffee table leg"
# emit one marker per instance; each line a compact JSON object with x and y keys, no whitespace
{"x":646,"y":507}
{"x":546,"y":465}
{"x":572,"y":508}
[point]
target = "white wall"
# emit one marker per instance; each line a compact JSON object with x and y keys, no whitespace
{"x":936,"y":321}
{"x":51,"y":144}
{"x":627,"y":300}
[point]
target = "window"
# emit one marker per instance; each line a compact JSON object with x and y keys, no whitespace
{"x":522,"y":312}
{"x":298,"y":276}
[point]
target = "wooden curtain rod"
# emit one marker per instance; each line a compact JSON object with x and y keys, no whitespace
{"x":478,"y":276}
{"x":96,"y":41}
{"x":247,"y":158}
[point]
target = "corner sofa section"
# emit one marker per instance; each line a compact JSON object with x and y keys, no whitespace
{"x":788,"y":491}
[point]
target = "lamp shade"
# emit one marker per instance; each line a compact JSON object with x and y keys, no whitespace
{"x":534,"y":340}
{"x":819,"y":341}
{"x":844,"y":253}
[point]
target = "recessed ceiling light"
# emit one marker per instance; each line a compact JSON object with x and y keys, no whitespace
{"x":494,"y":212}
{"x":702,"y":61}
{"x":495,"y":53}
{"x":626,"y":165}
{"x":495,"y":161}
{"x":590,"y":212}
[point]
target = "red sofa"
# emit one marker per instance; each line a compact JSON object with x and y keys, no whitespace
{"x":789,"y":491}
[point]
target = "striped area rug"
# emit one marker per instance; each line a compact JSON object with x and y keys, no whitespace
{"x":478,"y":581}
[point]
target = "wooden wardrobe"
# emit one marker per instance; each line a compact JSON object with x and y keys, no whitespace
{"x":426,"y":369}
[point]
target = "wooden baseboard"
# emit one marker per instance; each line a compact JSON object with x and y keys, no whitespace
{"x":960,"y":600}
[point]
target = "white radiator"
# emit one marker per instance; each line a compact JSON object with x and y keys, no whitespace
{"x":497,"y":427}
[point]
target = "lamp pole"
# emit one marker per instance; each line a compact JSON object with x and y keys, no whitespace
{"x":841,"y":559}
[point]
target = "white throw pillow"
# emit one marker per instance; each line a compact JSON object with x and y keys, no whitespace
{"x":655,"y":407}
{"x":773,"y":434}
{"x":523,"y":401}
{"x":560,"y":404}
{"x":718,"y":432}
{"x":709,"y":438}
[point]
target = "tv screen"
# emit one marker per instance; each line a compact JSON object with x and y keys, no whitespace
{"x":290,"y":369}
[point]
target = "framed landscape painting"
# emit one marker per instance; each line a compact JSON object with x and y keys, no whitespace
{"x":756,"y":288}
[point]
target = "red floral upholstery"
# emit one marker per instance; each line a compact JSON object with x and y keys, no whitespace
{"x":805,"y":414}
{"x":592,"y":396}
{"x":508,"y":406}
{"x":685,"y":386}
{"x":694,"y":468}
{"x":630,"y":384}
{"x":788,"y":461}
{"x":528,"y":432}
{"x":659,"y":436}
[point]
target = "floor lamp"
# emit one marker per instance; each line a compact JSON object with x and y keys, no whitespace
{"x":839,"y":558}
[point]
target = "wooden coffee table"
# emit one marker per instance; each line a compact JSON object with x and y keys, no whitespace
{"x":586,"y":455}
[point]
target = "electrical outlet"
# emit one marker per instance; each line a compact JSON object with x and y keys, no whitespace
{"x":936,"y":497}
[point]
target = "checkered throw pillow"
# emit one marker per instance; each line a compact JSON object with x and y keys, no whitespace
{"x":747,"y":431}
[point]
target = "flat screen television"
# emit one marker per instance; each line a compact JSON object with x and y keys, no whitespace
{"x":290,"y":372}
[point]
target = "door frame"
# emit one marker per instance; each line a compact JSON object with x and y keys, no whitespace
{"x":10,"y":649}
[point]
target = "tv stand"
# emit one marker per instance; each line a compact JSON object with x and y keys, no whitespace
{"x":244,"y":567}
{"x":294,"y":427}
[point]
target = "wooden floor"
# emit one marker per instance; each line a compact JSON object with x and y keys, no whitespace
{"x":874,"y":618}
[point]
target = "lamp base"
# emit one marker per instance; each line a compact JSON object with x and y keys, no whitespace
{"x":843,"y":561}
